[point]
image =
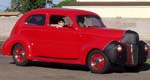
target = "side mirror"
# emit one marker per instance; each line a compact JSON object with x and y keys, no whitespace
{"x":70,"y":26}
{"x":104,"y":25}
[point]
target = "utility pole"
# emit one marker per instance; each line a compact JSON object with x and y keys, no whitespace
{"x":45,"y":3}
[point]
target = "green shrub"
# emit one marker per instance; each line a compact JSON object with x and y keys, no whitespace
{"x":148,"y":61}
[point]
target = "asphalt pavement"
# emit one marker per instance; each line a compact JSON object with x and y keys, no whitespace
{"x":47,"y":71}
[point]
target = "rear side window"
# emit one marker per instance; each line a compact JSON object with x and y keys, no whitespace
{"x":38,"y":19}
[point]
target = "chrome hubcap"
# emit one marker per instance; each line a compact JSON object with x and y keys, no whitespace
{"x":19,"y":55}
{"x":97,"y":61}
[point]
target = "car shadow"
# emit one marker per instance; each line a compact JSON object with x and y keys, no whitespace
{"x":114,"y":69}
{"x":57,"y":66}
{"x":60,"y":66}
{"x":121,"y":69}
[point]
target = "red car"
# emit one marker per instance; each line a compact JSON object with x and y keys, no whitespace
{"x":73,"y":36}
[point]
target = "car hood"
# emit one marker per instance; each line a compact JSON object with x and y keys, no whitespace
{"x":112,"y":34}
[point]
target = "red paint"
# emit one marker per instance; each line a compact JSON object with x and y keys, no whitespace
{"x":64,"y":45}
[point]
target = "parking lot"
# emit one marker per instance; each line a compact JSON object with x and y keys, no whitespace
{"x":47,"y":71}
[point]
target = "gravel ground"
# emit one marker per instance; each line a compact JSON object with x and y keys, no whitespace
{"x":47,"y":71}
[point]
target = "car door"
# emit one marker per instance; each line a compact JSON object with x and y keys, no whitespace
{"x":63,"y":43}
{"x":33,"y":30}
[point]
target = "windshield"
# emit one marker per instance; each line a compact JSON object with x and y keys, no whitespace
{"x":85,"y":21}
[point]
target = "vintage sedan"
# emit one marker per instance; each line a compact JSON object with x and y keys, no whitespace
{"x":72,"y":36}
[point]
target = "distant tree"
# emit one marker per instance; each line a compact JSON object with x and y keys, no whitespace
{"x":15,"y":5}
{"x":27,"y":5}
{"x":63,"y":3}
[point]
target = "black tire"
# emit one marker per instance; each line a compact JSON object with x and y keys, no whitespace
{"x":19,"y":55}
{"x":142,"y":53}
{"x":136,"y":68}
{"x":103,"y":62}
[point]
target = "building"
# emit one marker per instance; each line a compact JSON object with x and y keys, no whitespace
{"x":118,"y":8}
{"x":122,"y":14}
{"x":7,"y":14}
{"x":7,"y":20}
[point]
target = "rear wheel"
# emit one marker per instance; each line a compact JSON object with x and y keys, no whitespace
{"x":19,"y":55}
{"x":98,"y":62}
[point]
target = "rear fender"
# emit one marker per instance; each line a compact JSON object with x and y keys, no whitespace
{"x":9,"y":44}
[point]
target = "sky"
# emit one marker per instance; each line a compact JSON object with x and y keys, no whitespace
{"x":6,"y":4}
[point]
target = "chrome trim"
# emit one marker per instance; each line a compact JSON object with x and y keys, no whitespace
{"x":132,"y":53}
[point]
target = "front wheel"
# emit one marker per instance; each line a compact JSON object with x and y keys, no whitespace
{"x":98,"y":62}
{"x":19,"y":55}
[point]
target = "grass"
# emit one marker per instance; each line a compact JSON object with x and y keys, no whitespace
{"x":148,"y":61}
{"x":1,"y":43}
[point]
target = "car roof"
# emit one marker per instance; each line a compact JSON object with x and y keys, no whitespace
{"x":62,"y":10}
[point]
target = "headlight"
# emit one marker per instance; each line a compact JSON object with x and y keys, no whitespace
{"x":119,"y":48}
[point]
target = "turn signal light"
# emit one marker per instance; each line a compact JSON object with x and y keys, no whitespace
{"x":146,"y":48}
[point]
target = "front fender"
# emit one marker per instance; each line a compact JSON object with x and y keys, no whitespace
{"x":86,"y":49}
{"x":103,"y":44}
{"x":113,"y":55}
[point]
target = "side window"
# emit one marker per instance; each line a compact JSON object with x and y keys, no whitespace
{"x":37,"y":19}
{"x":85,"y":21}
{"x":60,"y":21}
